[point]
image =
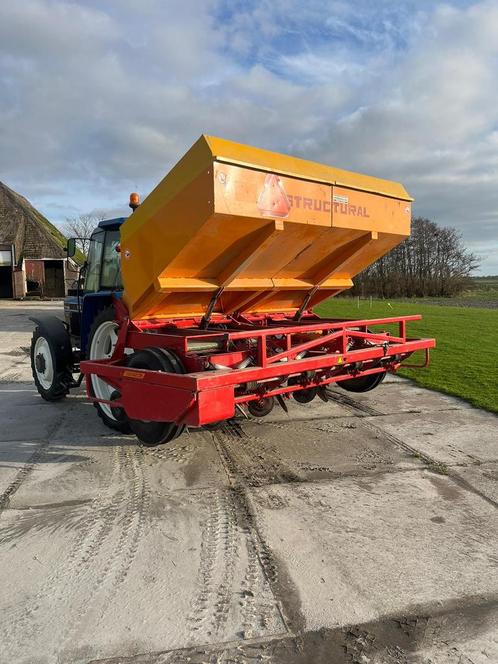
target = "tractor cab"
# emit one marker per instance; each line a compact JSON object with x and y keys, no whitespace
{"x":99,"y":280}
{"x":89,"y":329}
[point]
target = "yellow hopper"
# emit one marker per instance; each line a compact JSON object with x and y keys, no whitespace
{"x":265,"y":232}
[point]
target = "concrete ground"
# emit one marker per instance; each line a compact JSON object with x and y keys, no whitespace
{"x":363,"y":530}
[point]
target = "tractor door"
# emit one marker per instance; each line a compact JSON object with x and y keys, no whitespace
{"x":110,"y":271}
{"x":94,"y":262}
{"x":102,"y":280}
{"x":89,"y":282}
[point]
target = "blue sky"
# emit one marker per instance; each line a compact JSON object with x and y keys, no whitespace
{"x":99,"y":99}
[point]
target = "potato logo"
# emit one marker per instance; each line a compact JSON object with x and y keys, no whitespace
{"x":273,"y":201}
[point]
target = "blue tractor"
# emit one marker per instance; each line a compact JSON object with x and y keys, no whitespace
{"x":89,"y":330}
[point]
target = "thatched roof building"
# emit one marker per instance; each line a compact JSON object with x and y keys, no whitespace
{"x":32,"y":250}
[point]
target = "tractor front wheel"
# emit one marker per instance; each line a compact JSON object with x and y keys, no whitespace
{"x":50,"y":378}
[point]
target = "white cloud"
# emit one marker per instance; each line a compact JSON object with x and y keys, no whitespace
{"x":98,"y":99}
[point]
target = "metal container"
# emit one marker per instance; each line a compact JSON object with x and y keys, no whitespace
{"x":248,"y":230}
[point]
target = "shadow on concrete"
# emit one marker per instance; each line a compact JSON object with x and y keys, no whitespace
{"x":394,"y":639}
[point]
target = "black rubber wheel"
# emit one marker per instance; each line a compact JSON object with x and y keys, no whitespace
{"x":302,"y":396}
{"x":49,"y":373}
{"x":118,"y":412}
{"x":111,"y":417}
{"x":261,"y":407}
{"x":363,"y":383}
{"x":148,"y":432}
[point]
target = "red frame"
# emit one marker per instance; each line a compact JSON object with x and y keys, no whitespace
{"x":336,"y":350}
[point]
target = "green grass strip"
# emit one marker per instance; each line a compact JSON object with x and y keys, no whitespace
{"x":465,"y":361}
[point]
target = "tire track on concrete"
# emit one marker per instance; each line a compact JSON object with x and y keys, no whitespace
{"x":180,"y":454}
{"x":229,"y":551}
{"x":9,"y":375}
{"x":123,"y":553}
{"x":89,"y":545}
{"x":357,"y":406}
{"x":364,"y":411}
{"x":226,"y":518}
{"x":255,"y":613}
{"x":31,"y":462}
{"x":94,"y":529}
{"x":273,"y":574}
{"x":200,"y":616}
{"x":218,"y":559}
{"x":126,"y":550}
{"x":104,"y":517}
{"x":256,"y":462}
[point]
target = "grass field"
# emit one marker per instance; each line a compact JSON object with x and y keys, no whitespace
{"x":483,"y":289}
{"x":465,"y":361}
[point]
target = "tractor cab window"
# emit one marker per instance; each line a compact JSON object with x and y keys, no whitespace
{"x":94,"y":262}
{"x":111,"y":267}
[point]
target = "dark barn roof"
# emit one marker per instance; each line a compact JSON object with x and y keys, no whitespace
{"x":27,"y":229}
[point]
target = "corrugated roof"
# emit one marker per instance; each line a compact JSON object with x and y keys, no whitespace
{"x":27,"y":229}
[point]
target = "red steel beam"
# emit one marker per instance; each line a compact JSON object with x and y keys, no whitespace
{"x":217,"y":378}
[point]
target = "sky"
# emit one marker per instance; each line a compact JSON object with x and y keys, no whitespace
{"x":98,"y":99}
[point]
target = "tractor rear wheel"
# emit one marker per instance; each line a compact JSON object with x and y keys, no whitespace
{"x":149,"y":432}
{"x":101,"y":343}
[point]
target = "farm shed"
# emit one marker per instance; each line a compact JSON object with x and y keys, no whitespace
{"x":33,"y":259}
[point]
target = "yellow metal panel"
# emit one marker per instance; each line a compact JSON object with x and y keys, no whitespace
{"x":171,"y":285}
{"x":150,"y":243}
{"x":374,"y":250}
{"x":266,"y":228}
{"x":249,"y":193}
{"x":366,"y":211}
{"x":246,"y":155}
{"x":192,"y":164}
{"x":242,"y":261}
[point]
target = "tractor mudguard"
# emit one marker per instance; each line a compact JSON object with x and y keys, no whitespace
{"x":55,"y":330}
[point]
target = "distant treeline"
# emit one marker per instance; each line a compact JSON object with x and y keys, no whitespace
{"x":432,"y":262}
